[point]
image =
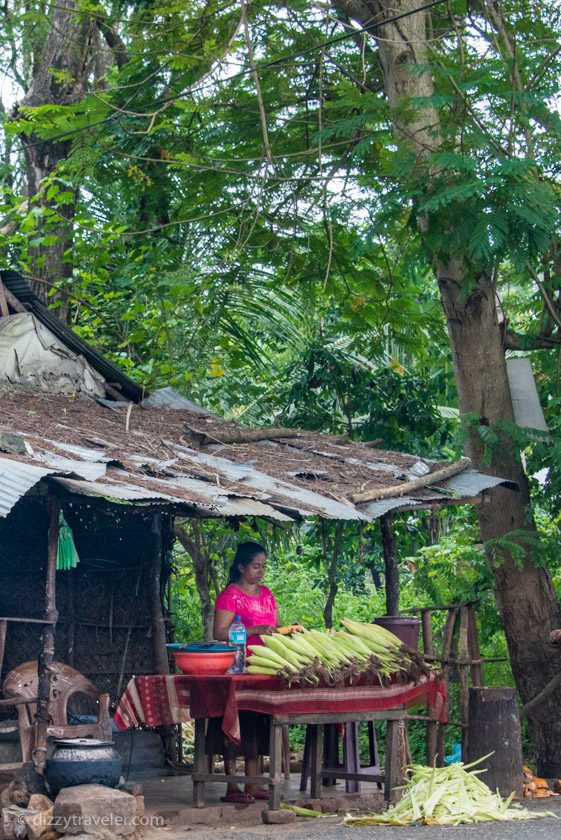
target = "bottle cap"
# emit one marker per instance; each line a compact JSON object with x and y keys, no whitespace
{"x":237,"y":618}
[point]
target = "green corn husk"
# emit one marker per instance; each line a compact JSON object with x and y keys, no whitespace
{"x":374,"y":633}
{"x":259,"y":669}
{"x":278,"y":647}
{"x":452,"y":795}
{"x":303,"y":812}
{"x":263,"y":662}
{"x":263,"y":650}
{"x":338,"y":656}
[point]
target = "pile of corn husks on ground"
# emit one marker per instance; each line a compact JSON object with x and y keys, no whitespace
{"x":451,"y":795}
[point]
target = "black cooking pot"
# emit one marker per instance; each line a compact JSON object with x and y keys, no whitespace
{"x":82,"y":761}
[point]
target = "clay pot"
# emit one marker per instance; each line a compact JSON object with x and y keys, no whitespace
{"x":82,"y":761}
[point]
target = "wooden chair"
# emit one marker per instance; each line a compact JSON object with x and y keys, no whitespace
{"x":22,"y":682}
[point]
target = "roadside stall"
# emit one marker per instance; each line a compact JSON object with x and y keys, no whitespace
{"x":83,"y":442}
{"x":157,"y":700}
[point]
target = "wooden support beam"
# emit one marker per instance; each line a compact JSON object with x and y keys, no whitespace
{"x":24,"y":620}
{"x":428,"y":650}
{"x":390,"y":564}
{"x":473,"y":645}
{"x":464,"y":675}
{"x":14,"y":302}
{"x":159,"y":640}
{"x":4,"y":311}
{"x":42,"y":715}
{"x":3,"y":630}
{"x":446,"y":651}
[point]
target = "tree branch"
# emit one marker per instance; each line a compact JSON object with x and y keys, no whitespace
{"x":517,"y":341}
{"x":547,"y":300}
{"x":262,"y":114}
{"x":113,"y":41}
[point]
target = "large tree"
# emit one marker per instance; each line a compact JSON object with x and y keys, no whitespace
{"x":467,"y":279}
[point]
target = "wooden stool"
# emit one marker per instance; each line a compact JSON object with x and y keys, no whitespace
{"x":351,"y":755}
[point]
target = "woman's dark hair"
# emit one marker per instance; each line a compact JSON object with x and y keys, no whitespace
{"x":245,"y":553}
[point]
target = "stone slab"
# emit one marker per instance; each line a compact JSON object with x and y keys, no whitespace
{"x":88,"y":808}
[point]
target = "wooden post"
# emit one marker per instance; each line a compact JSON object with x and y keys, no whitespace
{"x":317,"y":761}
{"x":331,"y":569}
{"x":168,"y":733}
{"x":390,"y":564}
{"x":199,"y":764}
{"x":71,"y":627}
{"x":3,"y":631}
{"x":463,"y":670}
{"x":446,"y":652}
{"x":4,"y":311}
{"x":392,"y":770}
{"x":47,"y":655}
{"x":473,"y":644}
{"x":428,"y":650}
{"x":494,"y":727}
{"x":275,"y":762}
{"x":161,"y":660}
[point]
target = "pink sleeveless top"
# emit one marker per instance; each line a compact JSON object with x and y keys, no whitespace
{"x":252,"y":609}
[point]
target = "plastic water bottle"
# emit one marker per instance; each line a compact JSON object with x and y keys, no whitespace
{"x":238,"y":637}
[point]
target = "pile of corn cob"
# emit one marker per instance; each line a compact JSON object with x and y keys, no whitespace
{"x":365,"y":651}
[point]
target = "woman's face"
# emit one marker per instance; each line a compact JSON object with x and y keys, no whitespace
{"x":254,"y":571}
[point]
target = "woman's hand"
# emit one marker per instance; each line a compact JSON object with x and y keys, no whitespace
{"x":261,"y":630}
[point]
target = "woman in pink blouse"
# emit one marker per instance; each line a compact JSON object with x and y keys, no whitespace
{"x":247,"y":597}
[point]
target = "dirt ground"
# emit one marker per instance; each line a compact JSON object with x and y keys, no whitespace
{"x":170,"y":800}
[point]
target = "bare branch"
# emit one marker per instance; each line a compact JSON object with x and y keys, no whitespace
{"x":262,"y":114}
{"x":113,"y":41}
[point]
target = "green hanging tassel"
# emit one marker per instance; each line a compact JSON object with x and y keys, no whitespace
{"x":67,"y":556}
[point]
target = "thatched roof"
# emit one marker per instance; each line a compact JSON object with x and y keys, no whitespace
{"x":202,"y":465}
{"x":162,"y":449}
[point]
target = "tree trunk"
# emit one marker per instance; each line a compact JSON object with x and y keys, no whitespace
{"x":60,"y":79}
{"x":524,"y":592}
{"x":331,"y":568}
{"x":201,"y":567}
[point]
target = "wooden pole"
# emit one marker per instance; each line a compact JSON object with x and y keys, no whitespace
{"x":161,"y":660}
{"x":169,"y":732}
{"x":390,"y":564}
{"x":331,"y":569}
{"x":71,"y":628}
{"x":446,"y":650}
{"x":3,"y":631}
{"x":428,"y":650}
{"x":473,"y":644}
{"x":42,"y":715}
{"x":464,"y":676}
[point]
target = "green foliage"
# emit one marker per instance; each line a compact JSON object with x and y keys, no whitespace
{"x":298,"y":289}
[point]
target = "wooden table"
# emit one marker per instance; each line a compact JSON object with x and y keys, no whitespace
{"x":391,"y":778}
{"x":160,"y":699}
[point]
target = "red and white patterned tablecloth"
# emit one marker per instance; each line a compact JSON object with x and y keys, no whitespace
{"x":158,"y":700}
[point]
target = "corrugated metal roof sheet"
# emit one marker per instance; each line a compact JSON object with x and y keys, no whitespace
{"x":472,"y":483}
{"x":90,"y":470}
{"x":306,"y":502}
{"x":17,"y":479}
{"x":170,"y":398}
{"x":217,"y":503}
